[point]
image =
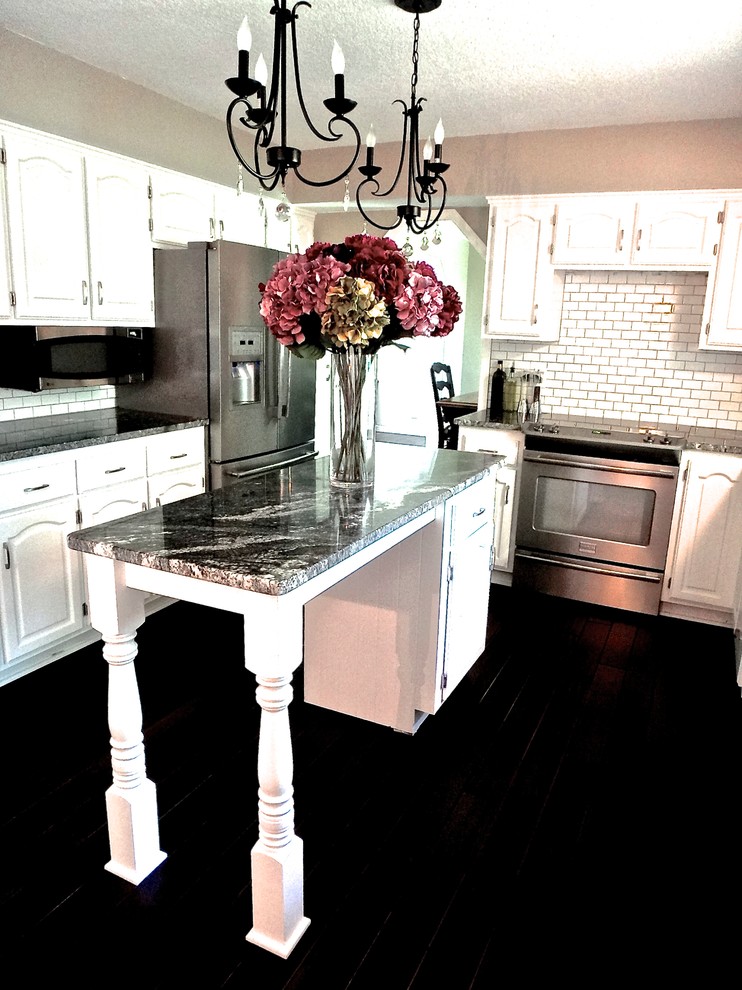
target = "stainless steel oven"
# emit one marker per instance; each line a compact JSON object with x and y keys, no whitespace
{"x":594,"y":513}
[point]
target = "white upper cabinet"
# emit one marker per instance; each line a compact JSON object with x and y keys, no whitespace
{"x":6,"y":306}
{"x":593,"y":230}
{"x":722,"y":320}
{"x":677,"y":233}
{"x":48,"y":238}
{"x":522,"y":286}
{"x":121,"y":258}
{"x":78,"y":226}
{"x":182,"y":208}
{"x":669,"y":231}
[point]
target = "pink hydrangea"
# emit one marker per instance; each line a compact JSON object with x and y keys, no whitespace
{"x":420,"y":301}
{"x":295,"y":298}
{"x":297,"y":286}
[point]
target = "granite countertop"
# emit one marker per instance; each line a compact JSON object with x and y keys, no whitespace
{"x":69,"y":431}
{"x":274,"y":533}
{"x":696,"y":437}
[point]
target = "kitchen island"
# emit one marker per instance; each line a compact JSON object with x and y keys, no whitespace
{"x":264,"y":548}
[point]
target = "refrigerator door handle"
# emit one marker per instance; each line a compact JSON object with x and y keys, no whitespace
{"x":284,"y":381}
{"x":253,"y":472}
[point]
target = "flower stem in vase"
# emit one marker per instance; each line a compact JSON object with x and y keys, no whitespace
{"x":353,"y":418}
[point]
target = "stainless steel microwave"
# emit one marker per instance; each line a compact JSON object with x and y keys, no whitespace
{"x":36,"y":358}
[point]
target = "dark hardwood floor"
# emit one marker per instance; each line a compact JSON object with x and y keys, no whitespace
{"x":571,"y":813}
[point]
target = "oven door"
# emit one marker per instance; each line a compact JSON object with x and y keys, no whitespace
{"x":594,"y":530}
{"x":617,"y":512}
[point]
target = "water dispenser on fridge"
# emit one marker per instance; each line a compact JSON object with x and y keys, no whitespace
{"x":247,"y":359}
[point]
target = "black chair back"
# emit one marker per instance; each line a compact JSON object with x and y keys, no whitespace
{"x":440,"y":376}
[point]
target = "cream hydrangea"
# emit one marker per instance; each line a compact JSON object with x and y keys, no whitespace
{"x":353,"y":314}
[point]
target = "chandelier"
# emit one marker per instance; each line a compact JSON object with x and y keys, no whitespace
{"x":263,"y":110}
{"x":421,"y":210}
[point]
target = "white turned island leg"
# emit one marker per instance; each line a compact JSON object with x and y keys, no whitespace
{"x":131,"y":801}
{"x":273,"y":650}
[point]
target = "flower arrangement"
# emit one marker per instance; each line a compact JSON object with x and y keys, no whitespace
{"x":351,"y":299}
{"x":361,"y":293}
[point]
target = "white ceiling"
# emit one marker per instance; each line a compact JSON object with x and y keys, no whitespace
{"x":485,"y":66}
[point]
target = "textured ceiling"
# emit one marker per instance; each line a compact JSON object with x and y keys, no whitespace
{"x":485,"y":66}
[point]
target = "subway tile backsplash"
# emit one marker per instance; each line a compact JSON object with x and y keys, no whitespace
{"x":628,"y":351}
{"x":24,"y":405}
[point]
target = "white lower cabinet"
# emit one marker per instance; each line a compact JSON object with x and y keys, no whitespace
{"x":706,"y":537}
{"x":43,"y":615}
{"x":175,"y":466}
{"x":41,"y":587}
{"x":507,"y":444}
{"x":390,"y":642}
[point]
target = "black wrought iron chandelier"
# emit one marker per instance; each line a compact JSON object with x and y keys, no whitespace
{"x":263,"y":110}
{"x":426,"y":187}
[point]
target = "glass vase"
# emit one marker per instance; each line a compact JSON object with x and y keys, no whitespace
{"x":353,"y":386}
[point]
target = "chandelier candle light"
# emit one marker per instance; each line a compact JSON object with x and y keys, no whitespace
{"x":351,"y":299}
{"x":423,"y":184}
{"x":261,"y":108}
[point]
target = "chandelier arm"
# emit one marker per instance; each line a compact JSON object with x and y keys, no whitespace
{"x":367,"y":218}
{"x":329,"y":182}
{"x":262,"y":177}
{"x":432,"y":222}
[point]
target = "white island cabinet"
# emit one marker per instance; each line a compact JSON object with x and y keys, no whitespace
{"x":390,"y":642}
{"x":267,"y":551}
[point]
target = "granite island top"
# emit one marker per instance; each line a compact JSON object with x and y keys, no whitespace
{"x":274,"y":533}
{"x":69,"y":431}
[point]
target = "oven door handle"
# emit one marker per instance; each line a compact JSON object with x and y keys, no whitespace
{"x":613,"y":467}
{"x":592,"y":568}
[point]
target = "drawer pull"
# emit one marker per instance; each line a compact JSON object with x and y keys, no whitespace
{"x":36,"y":488}
{"x":177,"y":457}
{"x":114,"y":470}
{"x":479,"y":512}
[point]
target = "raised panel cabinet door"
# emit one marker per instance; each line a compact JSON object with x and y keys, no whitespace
{"x":6,"y":308}
{"x":121,"y":256}
{"x":182,"y":209}
{"x":175,"y":485}
{"x":41,"y":578}
{"x":520,"y":277}
{"x":684,"y":233}
{"x":593,"y":231}
{"x":722,"y":328}
{"x":239,"y":218}
{"x":48,"y":236}
{"x":709,"y":540}
{"x":105,"y":504}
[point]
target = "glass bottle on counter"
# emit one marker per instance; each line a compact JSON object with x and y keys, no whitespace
{"x":510,"y":391}
{"x":496,"y":392}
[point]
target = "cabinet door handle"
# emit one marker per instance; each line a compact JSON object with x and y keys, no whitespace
{"x":638,"y":238}
{"x":177,"y":457}
{"x":84,"y":292}
{"x":6,"y":556}
{"x":221,"y":228}
{"x":534,"y":321}
{"x":114,"y":470}
{"x":212,"y":228}
{"x":35,"y":488}
{"x":157,"y":503}
{"x":100,"y":293}
{"x":620,"y":240}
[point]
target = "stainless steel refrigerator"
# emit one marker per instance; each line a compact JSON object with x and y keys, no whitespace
{"x":215,"y":358}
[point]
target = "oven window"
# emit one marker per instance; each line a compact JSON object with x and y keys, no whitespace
{"x":586,"y":508}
